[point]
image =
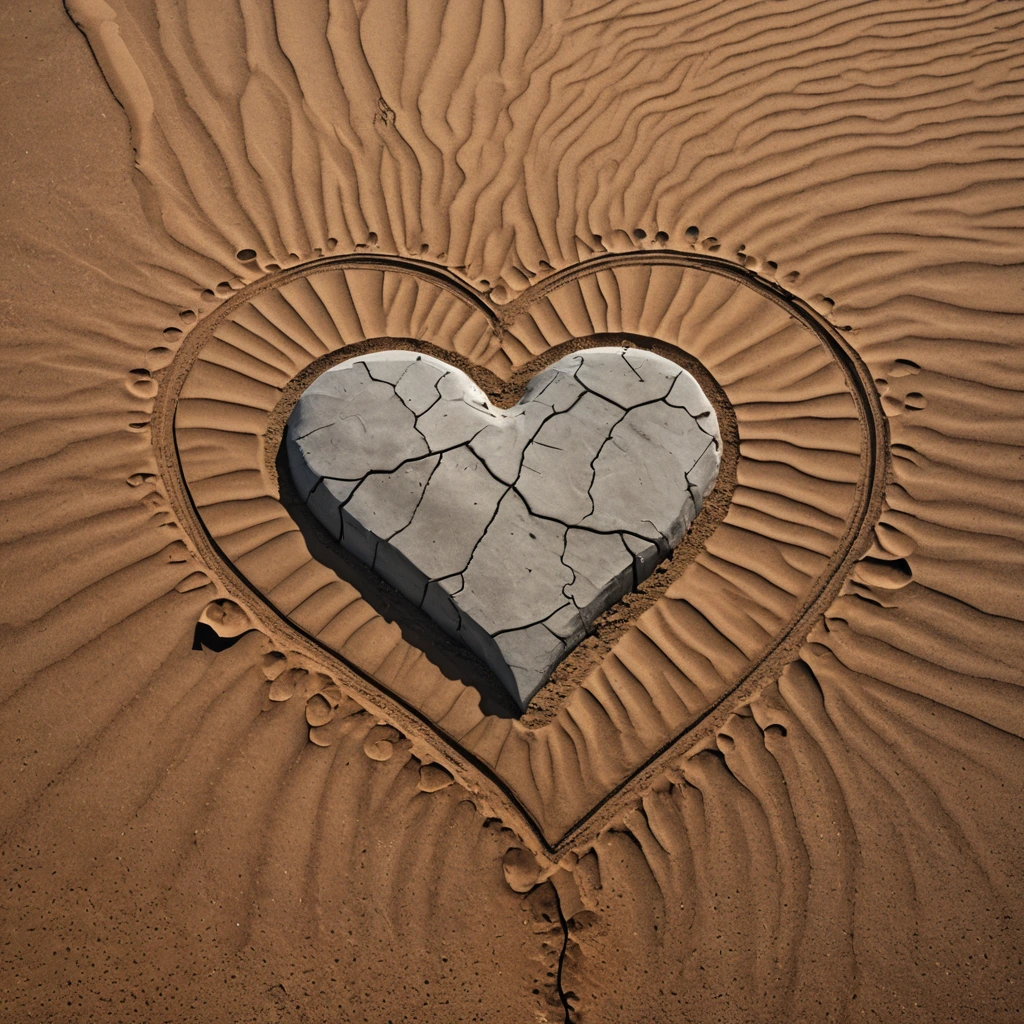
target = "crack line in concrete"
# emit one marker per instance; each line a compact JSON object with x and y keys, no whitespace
{"x":579,"y":429}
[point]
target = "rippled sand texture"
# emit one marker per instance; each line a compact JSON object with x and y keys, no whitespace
{"x":790,"y":789}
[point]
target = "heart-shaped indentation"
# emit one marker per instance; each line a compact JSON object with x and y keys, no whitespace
{"x":513,"y":529}
{"x":803,"y":470}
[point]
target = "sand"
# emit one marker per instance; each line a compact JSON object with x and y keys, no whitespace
{"x":241,"y":780}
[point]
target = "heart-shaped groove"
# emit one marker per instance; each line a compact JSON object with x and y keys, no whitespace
{"x":513,"y":529}
{"x":718,"y":636}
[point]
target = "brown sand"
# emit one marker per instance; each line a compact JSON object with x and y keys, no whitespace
{"x":784,"y":781}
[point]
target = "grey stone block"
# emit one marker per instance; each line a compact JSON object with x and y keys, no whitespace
{"x":602,"y":569}
{"x":564,"y":449}
{"x":386,"y":502}
{"x":457,"y":504}
{"x":512,"y":529}
{"x":516,"y":575}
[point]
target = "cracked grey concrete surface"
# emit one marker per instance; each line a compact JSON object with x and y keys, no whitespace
{"x":513,"y":529}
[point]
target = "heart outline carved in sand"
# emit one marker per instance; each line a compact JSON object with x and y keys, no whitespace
{"x":513,"y":529}
{"x":531,"y":796}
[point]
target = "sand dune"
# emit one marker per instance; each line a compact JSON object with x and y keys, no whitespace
{"x":242,"y":780}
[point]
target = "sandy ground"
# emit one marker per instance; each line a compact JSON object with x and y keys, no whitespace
{"x":240,"y":780}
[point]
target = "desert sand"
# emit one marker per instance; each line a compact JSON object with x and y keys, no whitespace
{"x":243,"y":779}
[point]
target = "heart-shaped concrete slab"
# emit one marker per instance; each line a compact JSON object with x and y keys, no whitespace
{"x":513,"y":529}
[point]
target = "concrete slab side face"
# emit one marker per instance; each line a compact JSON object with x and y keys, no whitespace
{"x":513,"y":529}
